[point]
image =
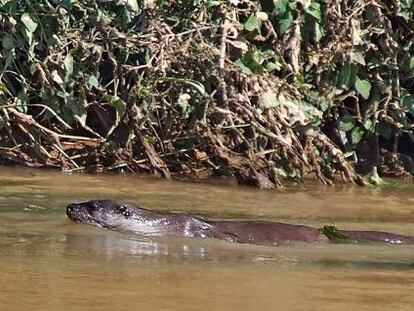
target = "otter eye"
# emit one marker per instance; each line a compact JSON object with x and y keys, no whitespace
{"x":124,"y":211}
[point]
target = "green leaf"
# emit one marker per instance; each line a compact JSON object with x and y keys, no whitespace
{"x":285,"y":21}
{"x":369,"y":125}
{"x":408,"y":103}
{"x":358,"y":57}
{"x":273,"y":66}
{"x":347,"y":76}
{"x":93,"y":82}
{"x":356,"y":135}
{"x":292,"y":5}
{"x":10,"y":56}
{"x":319,"y":31}
{"x":347,"y":123}
{"x":407,"y":4}
{"x":412,"y":64}
{"x":22,"y":101}
{"x":243,"y":67}
{"x":68,"y":62}
{"x":28,"y":22}
{"x":81,"y":117}
{"x":363,"y":87}
{"x":315,"y":11}
{"x":4,"y":91}
{"x":67,"y":4}
{"x":325,"y":104}
{"x":119,"y":106}
{"x":252,"y":23}
{"x":212,"y":3}
{"x":251,"y":59}
{"x":8,"y":42}
{"x":281,"y":6}
{"x":305,"y":4}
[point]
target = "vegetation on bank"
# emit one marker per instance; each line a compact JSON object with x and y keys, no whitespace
{"x":259,"y":90}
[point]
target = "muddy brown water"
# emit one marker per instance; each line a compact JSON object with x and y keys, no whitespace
{"x":49,"y":263}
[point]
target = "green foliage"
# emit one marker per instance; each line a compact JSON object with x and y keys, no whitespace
{"x":83,"y":64}
{"x":49,"y":57}
{"x":347,"y":76}
{"x":408,"y":104}
{"x":252,"y":23}
{"x":363,"y":79}
{"x":257,"y":62}
{"x":285,"y":10}
{"x":334,"y":235}
{"x":363,"y":87}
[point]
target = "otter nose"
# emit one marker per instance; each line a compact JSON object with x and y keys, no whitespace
{"x":71,"y":210}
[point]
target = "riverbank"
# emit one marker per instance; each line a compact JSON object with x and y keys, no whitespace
{"x":260,"y":92}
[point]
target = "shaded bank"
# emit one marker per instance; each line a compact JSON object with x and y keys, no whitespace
{"x":247,"y":89}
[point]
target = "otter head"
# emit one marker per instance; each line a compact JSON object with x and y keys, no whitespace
{"x":101,"y":213}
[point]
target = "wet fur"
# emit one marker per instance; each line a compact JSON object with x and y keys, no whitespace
{"x":125,"y":217}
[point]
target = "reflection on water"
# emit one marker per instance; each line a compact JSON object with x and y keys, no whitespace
{"x":49,"y":263}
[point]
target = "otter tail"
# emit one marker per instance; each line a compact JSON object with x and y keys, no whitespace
{"x":378,"y":236}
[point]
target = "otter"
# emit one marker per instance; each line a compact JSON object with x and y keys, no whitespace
{"x":124,"y":217}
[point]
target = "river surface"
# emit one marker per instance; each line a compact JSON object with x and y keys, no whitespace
{"x":49,"y":263}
